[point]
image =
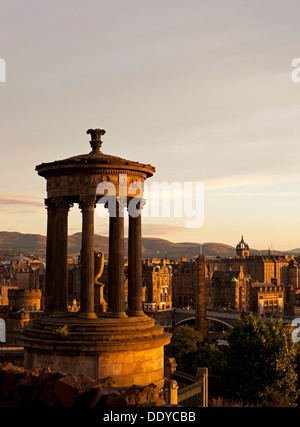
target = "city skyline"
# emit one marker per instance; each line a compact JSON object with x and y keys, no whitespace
{"x":201,"y":91}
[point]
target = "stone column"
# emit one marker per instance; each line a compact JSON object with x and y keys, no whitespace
{"x":135,"y":285}
{"x":87,"y":206}
{"x":61,"y":256}
{"x":50,"y":255}
{"x":116,"y":262}
{"x":201,"y":321}
{"x":110,"y":257}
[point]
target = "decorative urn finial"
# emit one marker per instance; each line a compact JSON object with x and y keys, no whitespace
{"x":96,"y":141}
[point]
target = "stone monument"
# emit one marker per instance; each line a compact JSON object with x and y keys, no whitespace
{"x":106,"y":341}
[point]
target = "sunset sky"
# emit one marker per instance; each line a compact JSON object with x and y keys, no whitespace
{"x":202,"y":90}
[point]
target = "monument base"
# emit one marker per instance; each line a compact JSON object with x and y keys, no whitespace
{"x":131,"y":349}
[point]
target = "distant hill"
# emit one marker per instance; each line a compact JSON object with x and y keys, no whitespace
{"x":30,"y":243}
{"x":294,"y":251}
{"x":151,"y":247}
{"x":35,"y":244}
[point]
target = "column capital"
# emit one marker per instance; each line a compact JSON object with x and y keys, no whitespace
{"x":62,"y":204}
{"x":49,"y":203}
{"x":87,"y":203}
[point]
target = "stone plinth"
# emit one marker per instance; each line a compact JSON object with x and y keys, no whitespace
{"x":128,"y":349}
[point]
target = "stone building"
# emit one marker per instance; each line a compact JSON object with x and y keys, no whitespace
{"x":5,"y":279}
{"x":268,"y":268}
{"x":229,"y":281}
{"x":25,"y":299}
{"x":227,"y":287}
{"x":157,"y":280}
{"x":4,"y":294}
{"x":231,"y":289}
{"x":157,"y":284}
{"x":23,"y":306}
{"x":280,"y":270}
{"x":189,"y":289}
{"x":267,"y":299}
{"x":265,"y":268}
{"x":185,"y":282}
{"x":26,"y":274}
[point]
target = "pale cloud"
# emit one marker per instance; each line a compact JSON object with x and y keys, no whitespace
{"x":15,"y":199}
{"x":248,"y":180}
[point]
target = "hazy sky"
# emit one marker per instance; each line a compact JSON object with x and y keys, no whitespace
{"x":202,"y":90}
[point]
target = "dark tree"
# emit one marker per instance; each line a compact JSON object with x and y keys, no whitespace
{"x":185,"y":340}
{"x":260,"y":363}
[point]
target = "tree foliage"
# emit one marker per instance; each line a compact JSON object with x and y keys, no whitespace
{"x":191,"y":352}
{"x":184,"y":341}
{"x":260,"y":362}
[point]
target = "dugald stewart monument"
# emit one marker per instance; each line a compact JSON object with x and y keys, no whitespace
{"x":101,"y":339}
